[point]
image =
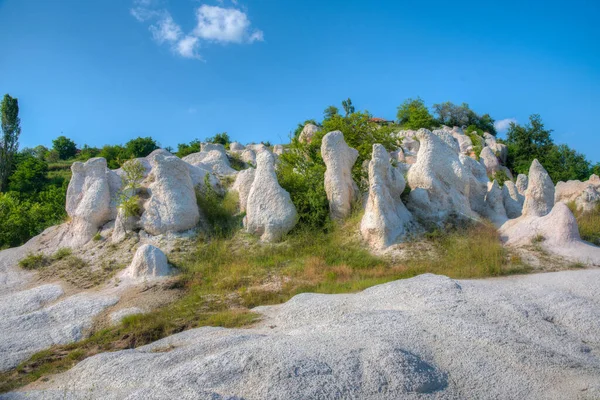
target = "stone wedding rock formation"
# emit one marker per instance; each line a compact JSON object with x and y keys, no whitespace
{"x":513,"y":200}
{"x":539,"y":197}
{"x":494,"y":201}
{"x":341,"y":189}
{"x":492,"y":163}
{"x":242,"y":185}
{"x":522,"y":182}
{"x":235,"y":146}
{"x":213,"y":159}
{"x":90,"y":196}
{"x":308,"y":132}
{"x":172,"y":204}
{"x":270,"y":212}
{"x":386,"y":220}
{"x":148,"y":262}
{"x":586,"y":195}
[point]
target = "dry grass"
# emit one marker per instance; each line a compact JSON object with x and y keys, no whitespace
{"x":589,"y":223}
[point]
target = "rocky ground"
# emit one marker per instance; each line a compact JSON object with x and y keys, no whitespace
{"x":534,"y":337}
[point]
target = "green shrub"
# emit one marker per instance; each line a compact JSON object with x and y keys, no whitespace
{"x":588,"y":222}
{"x":62,"y":253}
{"x":218,"y":210}
{"x":34,"y":261}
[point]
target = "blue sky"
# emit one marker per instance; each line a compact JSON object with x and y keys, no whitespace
{"x":106,"y":71}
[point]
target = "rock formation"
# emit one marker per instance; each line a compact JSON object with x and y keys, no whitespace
{"x":89,"y":198}
{"x":278,"y":149}
{"x":148,"y":262}
{"x":235,"y":146}
{"x":492,"y":163}
{"x":249,"y":157}
{"x":308,"y":132}
{"x":513,"y":200}
{"x":522,"y":182}
{"x":494,"y":201}
{"x":539,"y":197}
{"x":215,"y":160}
{"x":586,"y":195}
{"x":386,"y":220}
{"x":341,"y":189}
{"x":242,"y":185}
{"x":270,"y":212}
{"x":172,"y":205}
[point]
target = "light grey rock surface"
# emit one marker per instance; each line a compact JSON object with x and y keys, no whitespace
{"x":148,"y":262}
{"x":522,"y":183}
{"x":117,"y":316}
{"x":430,"y":337}
{"x":539,"y":197}
{"x":494,"y":201}
{"x":308,"y":132}
{"x":270,"y":212}
{"x":513,"y":200}
{"x":386,"y":220}
{"x":172,"y":205}
{"x":341,"y":189}
{"x":236,"y":146}
{"x":586,"y":194}
{"x":249,"y":157}
{"x":242,"y":185}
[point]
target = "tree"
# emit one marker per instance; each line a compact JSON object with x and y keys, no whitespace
{"x":140,"y":147}
{"x":451,"y":114}
{"x":348,"y":107}
{"x":413,"y":114}
{"x":9,"y":142}
{"x":564,"y":163}
{"x":330,"y":112}
{"x":29,"y":177}
{"x":65,"y":147}
{"x":184,"y":149}
{"x":526,"y":143}
{"x":87,"y":152}
{"x":220,"y":138}
{"x":596,"y":169}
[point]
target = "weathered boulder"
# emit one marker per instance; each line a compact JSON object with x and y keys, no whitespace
{"x":308,"y":132}
{"x":494,"y":201}
{"x":249,"y":157}
{"x":477,"y":184}
{"x":278,"y":149}
{"x":270,"y":212}
{"x":208,"y":147}
{"x":410,"y":145}
{"x":464,"y":142}
{"x":492,"y":164}
{"x":88,"y":202}
{"x":586,"y":195}
{"x":341,"y":189}
{"x":398,"y":155}
{"x":236,"y":146}
{"x":539,"y":197}
{"x":172,"y":204}
{"x":513,"y":200}
{"x":448,"y":138}
{"x":440,"y":183}
{"x":589,"y":199}
{"x":242,"y":185}
{"x":214,"y":160}
{"x":521,"y":184}
{"x":148,"y":262}
{"x":386,"y":220}
{"x":556,"y":232}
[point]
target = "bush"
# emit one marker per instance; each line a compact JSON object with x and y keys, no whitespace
{"x":413,"y":114}
{"x":140,"y":147}
{"x":588,"y":222}
{"x":34,"y":261}
{"x":65,"y":147}
{"x":187,"y":149}
{"x":220,"y":138}
{"x":219,"y":211}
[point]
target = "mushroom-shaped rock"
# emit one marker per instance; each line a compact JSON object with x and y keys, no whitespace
{"x":148,"y":262}
{"x":557,"y":231}
{"x":172,"y":205}
{"x":539,"y":197}
{"x":386,"y":219}
{"x":495,"y":204}
{"x":440,"y":182}
{"x":341,"y":189}
{"x":242,"y":185}
{"x":521,"y":184}
{"x":270,"y":212}
{"x":235,"y":146}
{"x":88,"y":200}
{"x":308,"y":132}
{"x":513,"y":201}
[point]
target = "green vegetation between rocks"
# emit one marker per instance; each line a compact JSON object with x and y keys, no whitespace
{"x":588,"y":222}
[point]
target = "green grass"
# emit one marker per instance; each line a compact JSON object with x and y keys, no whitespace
{"x":226,"y":275}
{"x":589,"y":223}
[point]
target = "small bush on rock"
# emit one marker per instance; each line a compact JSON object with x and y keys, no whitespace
{"x":34,"y":261}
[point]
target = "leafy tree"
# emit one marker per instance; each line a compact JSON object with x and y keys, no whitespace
{"x":9,"y":142}
{"x":40,"y":152}
{"x":451,"y":114}
{"x":526,"y":143}
{"x":114,"y":155}
{"x":300,"y":127}
{"x":29,"y":177}
{"x":564,"y":163}
{"x":596,"y":169}
{"x":220,"y":138}
{"x":413,"y":114}
{"x":65,"y":147}
{"x":140,"y":147}
{"x":184,"y":149}
{"x":88,"y":152}
{"x":330,"y":112}
{"x":348,"y":107}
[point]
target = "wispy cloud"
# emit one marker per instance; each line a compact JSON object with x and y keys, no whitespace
{"x":504,"y":124}
{"x":214,"y":24}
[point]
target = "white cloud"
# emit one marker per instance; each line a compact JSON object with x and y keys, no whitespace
{"x":166,"y":30}
{"x":504,"y":124}
{"x":214,"y":25}
{"x":224,"y":25}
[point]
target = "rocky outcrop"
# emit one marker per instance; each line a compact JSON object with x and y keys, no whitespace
{"x":556,"y":232}
{"x":477,"y":184}
{"x":278,"y":149}
{"x":448,"y":138}
{"x":513,"y":200}
{"x":148,"y":262}
{"x":242,"y":185}
{"x":270,"y":212}
{"x":494,"y":201}
{"x":521,"y":184}
{"x":439,"y":181}
{"x":208,"y":147}
{"x":308,"y":132}
{"x":172,"y":204}
{"x":235,"y":146}
{"x":214,"y":160}
{"x":585,"y":195}
{"x":386,"y":220}
{"x":492,"y":163}
{"x":539,"y":197}
{"x":341,"y":189}
{"x":249,"y":157}
{"x":89,"y":201}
